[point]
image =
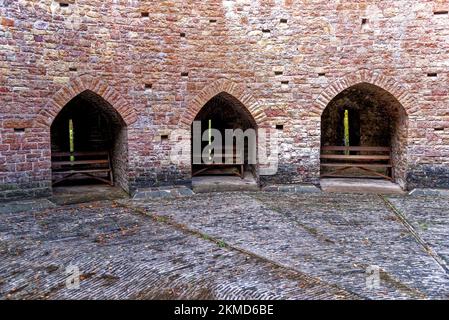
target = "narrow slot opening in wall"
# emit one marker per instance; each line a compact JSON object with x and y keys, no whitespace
{"x":164,"y":137}
{"x":346,"y":130}
{"x":284,"y":20}
{"x":73,"y":69}
{"x":285,"y":82}
{"x":148,"y":86}
{"x":321,"y":74}
{"x":184,"y":74}
{"x":440,"y":12}
{"x":278,"y":73}
{"x":71,"y":139}
{"x":279,"y":127}
{"x":266,"y":30}
{"x":63,"y":4}
{"x":365,"y":21}
{"x":439,"y":129}
{"x":145,"y":14}
{"x":212,"y":20}
{"x":19,"y":130}
{"x":432,"y":74}
{"x":182,"y":35}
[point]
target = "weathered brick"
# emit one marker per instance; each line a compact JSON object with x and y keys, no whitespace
{"x":7,"y":22}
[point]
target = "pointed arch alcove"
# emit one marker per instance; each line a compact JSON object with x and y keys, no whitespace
{"x":365,"y":115}
{"x":221,"y":106}
{"x":88,"y":116}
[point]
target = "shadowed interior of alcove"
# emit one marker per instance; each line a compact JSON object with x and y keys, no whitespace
{"x":224,"y":112}
{"x":366,"y":115}
{"x":88,"y":124}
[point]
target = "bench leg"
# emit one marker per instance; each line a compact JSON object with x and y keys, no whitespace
{"x":63,"y":179}
{"x":98,"y":178}
{"x":377,"y":173}
{"x":200,"y":171}
{"x":111,"y":178}
{"x":334,"y":173}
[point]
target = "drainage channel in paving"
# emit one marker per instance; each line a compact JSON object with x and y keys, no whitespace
{"x":429,"y":218}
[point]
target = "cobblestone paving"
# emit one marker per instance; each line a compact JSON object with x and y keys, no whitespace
{"x":429,"y":217}
{"x":123,"y":254}
{"x":331,"y":236}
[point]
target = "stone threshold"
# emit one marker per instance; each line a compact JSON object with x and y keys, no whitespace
{"x":292,"y":188}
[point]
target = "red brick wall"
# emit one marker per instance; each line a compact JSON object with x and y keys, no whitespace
{"x":49,"y":54}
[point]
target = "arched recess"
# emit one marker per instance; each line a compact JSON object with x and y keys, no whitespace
{"x":224,"y":92}
{"x":389,"y":84}
{"x":49,"y":112}
{"x":238,"y":91}
{"x":390,"y":88}
{"x":99,"y":117}
{"x":367,"y":115}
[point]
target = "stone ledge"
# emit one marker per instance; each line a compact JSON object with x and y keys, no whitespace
{"x":11,"y":193}
{"x":293,"y":188}
{"x":162,"y":192}
{"x":21,"y":206}
{"x":429,"y":192}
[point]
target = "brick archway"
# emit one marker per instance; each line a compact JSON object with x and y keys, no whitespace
{"x":238,"y":91}
{"x":106,"y":98}
{"x":393,"y":103}
{"x":85,"y":83}
{"x":386,"y":83}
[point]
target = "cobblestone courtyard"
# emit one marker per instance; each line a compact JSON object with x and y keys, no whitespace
{"x":259,"y":245}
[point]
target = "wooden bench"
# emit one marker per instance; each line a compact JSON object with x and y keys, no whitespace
{"x":364,"y":158}
{"x":68,"y":164}
{"x":228,"y":159}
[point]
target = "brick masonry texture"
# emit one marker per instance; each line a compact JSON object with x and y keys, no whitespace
{"x":285,"y":61}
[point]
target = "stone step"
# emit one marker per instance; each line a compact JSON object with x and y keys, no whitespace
{"x":354,"y":185}
{"x":205,"y":184}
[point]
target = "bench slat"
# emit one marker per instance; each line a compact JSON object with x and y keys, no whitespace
{"x":356,"y":165}
{"x":219,"y":164}
{"x":87,"y":163}
{"x":80,"y":154}
{"x":354,"y":157}
{"x":343,"y":148}
{"x":366,"y":162}
{"x":83,"y":171}
{"x":78,"y":162}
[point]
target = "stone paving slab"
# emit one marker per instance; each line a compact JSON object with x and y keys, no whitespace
{"x":162,"y":192}
{"x":125,"y":255}
{"x":25,"y":205}
{"x":429,"y":216}
{"x":430,"y":192}
{"x":331,"y":236}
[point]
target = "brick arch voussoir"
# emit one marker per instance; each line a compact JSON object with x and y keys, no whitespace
{"x":78,"y":85}
{"x":388,"y":84}
{"x":232,"y":88}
